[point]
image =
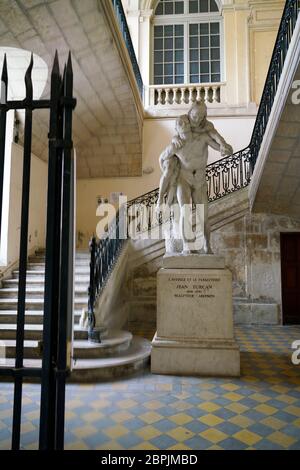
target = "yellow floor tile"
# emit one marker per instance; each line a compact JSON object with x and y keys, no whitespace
{"x":84,"y":431}
{"x":210,"y":420}
{"x":33,"y":414}
{"x":179,"y":446}
{"x":281,"y":439}
{"x":180,"y":434}
{"x":116,"y":431}
{"x":273,"y":423}
{"x":151,"y":417}
{"x":92,"y":416}
{"x":148,"y":432}
{"x":121,"y":416}
{"x":237,"y":407}
{"x":5,"y":444}
{"x":294,"y":410}
{"x":99,"y":404}
{"x":124,"y":404}
{"x":233,"y":396}
{"x":77,"y":445}
{"x":145,"y":446}
{"x":111,"y":445}
{"x":209,"y":406}
{"x":266,"y":409}
{"x":259,"y":397}
{"x":230,"y":387}
{"x":27,"y":427}
{"x":181,"y":405}
{"x":286,"y":399}
{"x":247,"y":437}
{"x":181,"y":419}
{"x":207,"y":395}
{"x":153,"y":405}
{"x":213,"y":435}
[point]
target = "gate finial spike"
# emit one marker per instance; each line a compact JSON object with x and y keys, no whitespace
{"x":28,"y":79}
{"x":69,"y":77}
{"x":4,"y":81}
{"x":55,"y":68}
{"x":4,"y":76}
{"x":69,"y":64}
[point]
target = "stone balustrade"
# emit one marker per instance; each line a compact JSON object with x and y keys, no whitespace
{"x":178,"y":95}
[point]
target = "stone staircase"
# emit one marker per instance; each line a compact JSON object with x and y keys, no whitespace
{"x":119,"y":352}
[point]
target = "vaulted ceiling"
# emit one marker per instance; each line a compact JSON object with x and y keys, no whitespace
{"x":107,"y":136}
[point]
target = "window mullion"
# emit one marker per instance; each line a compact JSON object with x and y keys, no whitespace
{"x":186,"y":53}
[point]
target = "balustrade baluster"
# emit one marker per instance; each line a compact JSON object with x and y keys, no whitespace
{"x":159,"y":95}
{"x":182,"y":97}
{"x":167,"y":99}
{"x":206,"y":94}
{"x":215,"y":96}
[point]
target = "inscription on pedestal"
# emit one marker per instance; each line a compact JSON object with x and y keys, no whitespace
{"x":194,"y":303}
{"x":194,"y":287}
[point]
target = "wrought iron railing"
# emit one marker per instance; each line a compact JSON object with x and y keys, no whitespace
{"x":120,"y":14}
{"x":104,"y":254}
{"x":284,"y":36}
{"x":223,"y":177}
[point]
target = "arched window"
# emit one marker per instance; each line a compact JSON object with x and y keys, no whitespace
{"x":187,"y":42}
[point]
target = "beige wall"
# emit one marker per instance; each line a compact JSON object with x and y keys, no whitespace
{"x":37,"y":218}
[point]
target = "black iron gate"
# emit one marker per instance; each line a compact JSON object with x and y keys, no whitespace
{"x":58,"y":297}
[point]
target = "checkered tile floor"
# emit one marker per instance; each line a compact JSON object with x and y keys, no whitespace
{"x":261,"y":410}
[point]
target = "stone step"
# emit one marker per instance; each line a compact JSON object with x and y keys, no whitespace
{"x":31,"y":316}
{"x":39,"y":282}
{"x":37,"y":304}
{"x":32,"y":349}
{"x":79,"y":254}
{"x":36,"y":292}
{"x":40,"y":276}
{"x":84,"y":258}
{"x":131,"y":361}
{"x":81,"y":270}
{"x":114,"y":343}
{"x":36,"y":266}
{"x":35,"y":332}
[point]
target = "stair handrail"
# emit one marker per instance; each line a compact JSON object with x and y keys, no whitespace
{"x":223,"y":176}
{"x":121,"y":17}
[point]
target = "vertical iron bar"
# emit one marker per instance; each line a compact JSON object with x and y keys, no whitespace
{"x":65,"y":309}
{"x":3,"y":114}
{"x":23,"y":261}
{"x":51,"y":299}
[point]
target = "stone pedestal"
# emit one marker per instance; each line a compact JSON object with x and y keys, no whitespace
{"x":194,"y":318}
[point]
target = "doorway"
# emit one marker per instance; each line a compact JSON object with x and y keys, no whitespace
{"x":290,"y":277}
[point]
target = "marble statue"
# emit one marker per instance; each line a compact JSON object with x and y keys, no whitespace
{"x":183,"y":164}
